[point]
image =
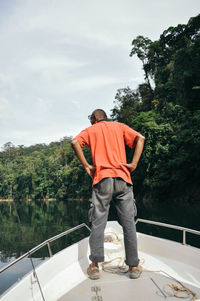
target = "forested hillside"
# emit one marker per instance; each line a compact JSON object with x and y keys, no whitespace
{"x":42,"y":172}
{"x":165,"y":108}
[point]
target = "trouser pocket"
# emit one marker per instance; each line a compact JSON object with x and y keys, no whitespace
{"x":134,"y":208}
{"x":91,"y":212}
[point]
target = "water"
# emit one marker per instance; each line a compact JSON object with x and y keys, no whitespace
{"x":24,"y":225}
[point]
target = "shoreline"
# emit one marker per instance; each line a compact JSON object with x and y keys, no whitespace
{"x":41,"y":200}
{"x":6,"y":200}
{"x":26,"y":200}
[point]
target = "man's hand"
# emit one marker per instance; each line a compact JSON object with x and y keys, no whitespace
{"x":130,"y":166}
{"x":90,"y":169}
{"x":139,"y":144}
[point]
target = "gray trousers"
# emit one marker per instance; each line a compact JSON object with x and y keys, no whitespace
{"x":121,"y":193}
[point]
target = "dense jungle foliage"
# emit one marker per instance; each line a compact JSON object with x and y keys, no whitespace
{"x":165,"y":109}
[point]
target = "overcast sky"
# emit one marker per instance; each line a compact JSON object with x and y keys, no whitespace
{"x":61,"y":59}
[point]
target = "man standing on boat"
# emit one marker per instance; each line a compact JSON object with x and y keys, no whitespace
{"x":111,"y":180}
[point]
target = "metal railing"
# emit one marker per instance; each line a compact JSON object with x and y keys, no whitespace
{"x":44,"y":243}
{"x":183,"y":229}
{"x":139,"y":220}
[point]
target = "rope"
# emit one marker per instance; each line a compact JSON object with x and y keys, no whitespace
{"x":119,"y":269}
{"x":108,"y":238}
{"x":178,"y":291}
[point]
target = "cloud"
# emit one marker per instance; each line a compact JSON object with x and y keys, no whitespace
{"x":76,"y":104}
{"x":62,"y":59}
{"x":40,"y":63}
{"x":95,"y":82}
{"x":6,"y":111}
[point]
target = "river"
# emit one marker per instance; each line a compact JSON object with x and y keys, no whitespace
{"x":24,"y":225}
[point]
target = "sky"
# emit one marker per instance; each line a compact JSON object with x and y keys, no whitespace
{"x":62,"y":59}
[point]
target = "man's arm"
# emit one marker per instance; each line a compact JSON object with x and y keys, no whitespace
{"x":79,"y":152}
{"x":139,"y":140}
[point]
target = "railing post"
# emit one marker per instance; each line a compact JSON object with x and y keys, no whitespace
{"x":35,"y":275}
{"x":184,"y":237}
{"x":49,"y":248}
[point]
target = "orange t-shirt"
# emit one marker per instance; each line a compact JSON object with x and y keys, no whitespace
{"x":107,"y":140}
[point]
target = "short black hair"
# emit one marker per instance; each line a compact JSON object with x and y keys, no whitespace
{"x":100,"y":113}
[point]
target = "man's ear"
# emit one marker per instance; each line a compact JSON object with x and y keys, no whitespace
{"x":95,"y":119}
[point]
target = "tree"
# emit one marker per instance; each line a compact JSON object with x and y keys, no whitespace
{"x":141,"y":49}
{"x":126,"y":102}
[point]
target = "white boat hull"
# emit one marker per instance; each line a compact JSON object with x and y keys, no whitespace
{"x":64,"y":276}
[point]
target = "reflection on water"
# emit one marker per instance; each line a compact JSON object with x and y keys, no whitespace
{"x":24,"y":225}
{"x":34,"y":222}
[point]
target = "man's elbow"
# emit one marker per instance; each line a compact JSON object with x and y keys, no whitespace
{"x":74,"y":142}
{"x":140,"y":138}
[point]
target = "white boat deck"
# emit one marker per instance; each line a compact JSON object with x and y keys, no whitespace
{"x":150,"y":286}
{"x":121,"y":288}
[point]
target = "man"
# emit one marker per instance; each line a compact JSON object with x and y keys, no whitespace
{"x":111,"y":180}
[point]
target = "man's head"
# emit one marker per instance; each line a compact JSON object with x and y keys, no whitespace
{"x":97,"y":115}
